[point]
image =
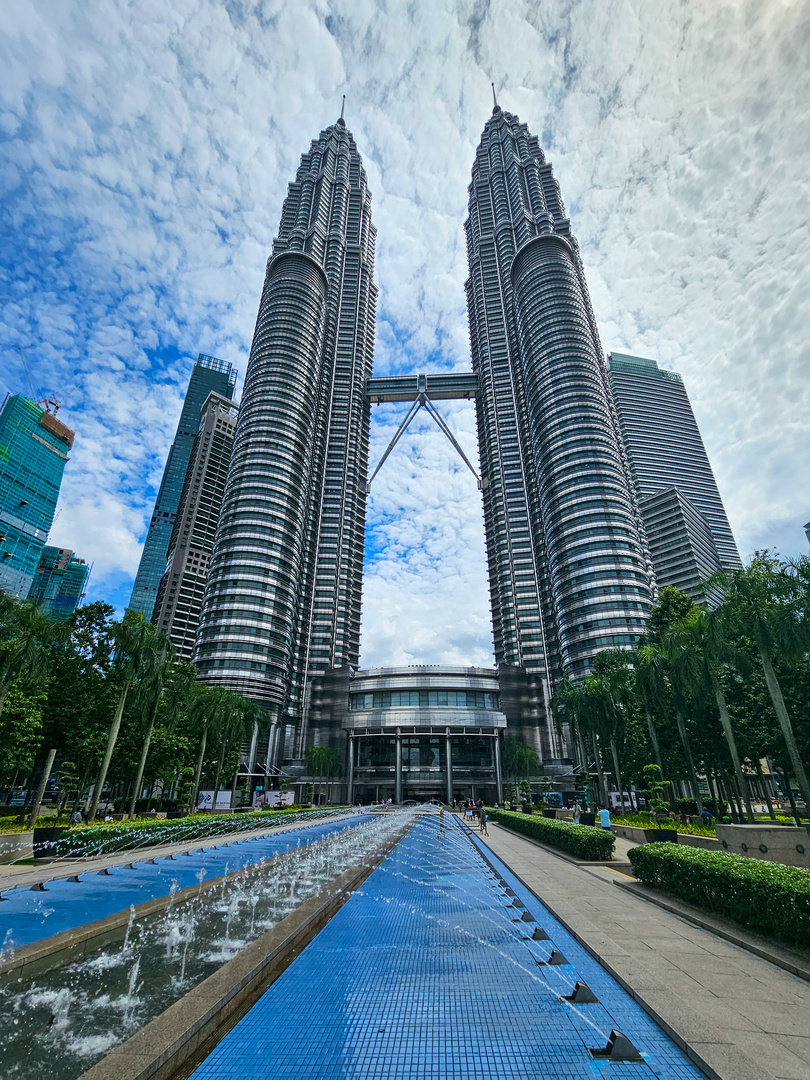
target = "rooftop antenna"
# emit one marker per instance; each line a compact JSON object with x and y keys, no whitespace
{"x":494,"y":99}
{"x":343,"y":106}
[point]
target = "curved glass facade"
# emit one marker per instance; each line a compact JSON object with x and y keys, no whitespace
{"x":282,"y":600}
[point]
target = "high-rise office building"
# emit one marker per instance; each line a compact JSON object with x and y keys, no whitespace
{"x":282,"y":601}
{"x":180,"y":594}
{"x":34,"y":447}
{"x":686,"y":524}
{"x":59,"y":582}
{"x":568,"y":568}
{"x":208,"y":375}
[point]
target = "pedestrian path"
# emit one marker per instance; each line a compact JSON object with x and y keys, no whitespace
{"x":442,"y":966}
{"x":65,"y":903}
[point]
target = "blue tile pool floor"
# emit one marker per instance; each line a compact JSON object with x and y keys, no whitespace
{"x":430,"y":971}
{"x":28,"y":915}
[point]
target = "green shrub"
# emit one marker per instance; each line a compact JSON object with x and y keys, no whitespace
{"x":582,"y":840}
{"x":767,"y":897}
{"x":647,"y":821}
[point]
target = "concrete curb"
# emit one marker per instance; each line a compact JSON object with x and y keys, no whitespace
{"x":190,"y":1028}
{"x":789,"y":959}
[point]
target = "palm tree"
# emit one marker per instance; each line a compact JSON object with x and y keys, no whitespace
{"x":768,"y":603}
{"x":332,"y":764}
{"x":318,"y":761}
{"x":695,"y":652}
{"x":135,"y":645}
{"x":25,"y":634}
{"x":519,"y":759}
{"x":660,"y":689}
{"x":157,"y":672}
{"x":209,"y":708}
{"x":566,"y":706}
{"x":610,"y":686}
{"x":645,"y":687}
{"x":238,"y":718}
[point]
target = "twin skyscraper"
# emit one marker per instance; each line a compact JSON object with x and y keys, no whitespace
{"x":571,"y":570}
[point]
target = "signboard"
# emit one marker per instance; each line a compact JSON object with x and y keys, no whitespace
{"x":18,"y":797}
{"x":205,"y":800}
{"x":273,"y":798}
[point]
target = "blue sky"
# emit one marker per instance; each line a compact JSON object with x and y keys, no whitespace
{"x":145,"y":149}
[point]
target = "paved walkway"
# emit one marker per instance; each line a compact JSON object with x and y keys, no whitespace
{"x":744,"y":1017}
{"x":435,"y":970}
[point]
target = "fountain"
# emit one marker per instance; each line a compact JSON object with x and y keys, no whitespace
{"x":58,"y":1024}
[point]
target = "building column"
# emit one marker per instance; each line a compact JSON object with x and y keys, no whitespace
{"x":398,"y":770}
{"x":449,"y":755}
{"x":350,"y":784}
{"x":498,"y":775}
{"x":254,"y":739}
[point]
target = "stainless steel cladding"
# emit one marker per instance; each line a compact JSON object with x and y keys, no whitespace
{"x":568,"y":566}
{"x":283,"y":596}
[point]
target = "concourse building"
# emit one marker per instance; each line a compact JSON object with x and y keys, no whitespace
{"x":423,"y":733}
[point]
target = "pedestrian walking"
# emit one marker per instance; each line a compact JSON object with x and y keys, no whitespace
{"x":482,"y":821}
{"x":604,"y":818}
{"x":576,"y":811}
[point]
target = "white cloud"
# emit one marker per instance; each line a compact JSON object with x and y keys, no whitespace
{"x":146,"y":149}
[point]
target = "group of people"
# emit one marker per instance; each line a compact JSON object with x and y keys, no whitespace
{"x":475,"y":810}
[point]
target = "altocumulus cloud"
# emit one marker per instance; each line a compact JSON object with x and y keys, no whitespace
{"x":146,"y":148}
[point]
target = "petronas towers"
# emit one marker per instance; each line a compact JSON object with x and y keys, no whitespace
{"x":568,"y":567}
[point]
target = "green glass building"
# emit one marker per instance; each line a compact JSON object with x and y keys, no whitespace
{"x":59,"y":583}
{"x":34,"y":447}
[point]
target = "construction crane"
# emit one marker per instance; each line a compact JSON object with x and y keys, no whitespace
{"x":47,"y":402}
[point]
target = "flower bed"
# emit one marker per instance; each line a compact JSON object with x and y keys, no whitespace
{"x":769,"y":898}
{"x":103,"y":839}
{"x":584,"y":841}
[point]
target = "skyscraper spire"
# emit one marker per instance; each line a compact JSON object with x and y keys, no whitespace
{"x":342,"y":107}
{"x":495,"y":104}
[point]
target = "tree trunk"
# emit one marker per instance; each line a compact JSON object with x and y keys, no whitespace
{"x":766,"y":791}
{"x":111,"y":741}
{"x":222,"y":752}
{"x":196,"y":789}
{"x":654,"y":740}
{"x":599,"y":772}
{"x":728,"y":731}
{"x":731,"y":798}
{"x":690,"y":764}
{"x":775,"y":691}
{"x":46,"y":772}
{"x":615,"y":754}
{"x":142,"y":763}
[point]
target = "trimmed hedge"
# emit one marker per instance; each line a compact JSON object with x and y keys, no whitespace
{"x":767,"y":897}
{"x":583,"y":840}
